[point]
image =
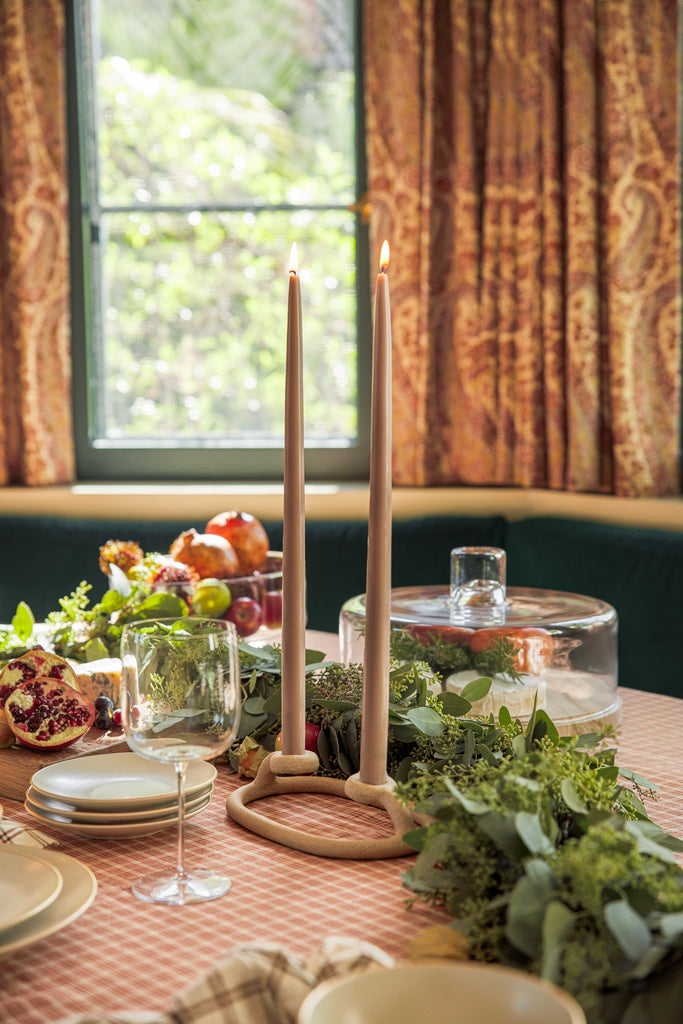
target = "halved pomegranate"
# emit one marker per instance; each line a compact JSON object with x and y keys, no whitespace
{"x":47,"y":714}
{"x":36,"y":662}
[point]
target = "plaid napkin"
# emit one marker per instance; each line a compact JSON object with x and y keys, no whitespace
{"x":256,"y":985}
{"x":22,"y":835}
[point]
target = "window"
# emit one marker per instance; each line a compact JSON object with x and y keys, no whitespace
{"x":207,"y":136}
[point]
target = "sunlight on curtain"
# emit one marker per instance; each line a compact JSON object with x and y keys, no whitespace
{"x":36,"y":445}
{"x":523,"y":162}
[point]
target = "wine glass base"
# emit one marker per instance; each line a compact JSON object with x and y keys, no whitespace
{"x":192,"y":887}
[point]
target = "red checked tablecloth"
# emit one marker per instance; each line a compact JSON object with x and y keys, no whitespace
{"x":124,"y":955}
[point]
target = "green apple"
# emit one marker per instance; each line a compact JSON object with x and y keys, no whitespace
{"x":211,"y":597}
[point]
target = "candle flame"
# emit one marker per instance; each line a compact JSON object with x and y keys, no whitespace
{"x":384,"y":256}
{"x":293,"y":259}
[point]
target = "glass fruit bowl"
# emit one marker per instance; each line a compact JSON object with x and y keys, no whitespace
{"x":253,"y":603}
{"x":563,"y":646}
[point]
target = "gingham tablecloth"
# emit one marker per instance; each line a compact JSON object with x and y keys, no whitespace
{"x":123,"y":955}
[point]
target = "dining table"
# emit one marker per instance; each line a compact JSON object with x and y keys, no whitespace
{"x":123,"y":955}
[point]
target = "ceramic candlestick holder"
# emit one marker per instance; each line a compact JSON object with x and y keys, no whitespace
{"x":281,"y":773}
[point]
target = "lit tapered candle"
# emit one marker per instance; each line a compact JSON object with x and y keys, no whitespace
{"x":375,"y":720}
{"x":293,"y":542}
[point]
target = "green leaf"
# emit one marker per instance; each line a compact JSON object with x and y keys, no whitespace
{"x":609,"y":772}
{"x":415,"y":838}
{"x":405,"y":733}
{"x":488,"y":755}
{"x":471,"y":806}
{"x":504,"y":716}
{"x":627,"y":798}
{"x":572,"y":798}
{"x":628,"y":929}
{"x":558,"y":924}
{"x":111,"y":602}
{"x":324,"y":749}
{"x":453,"y":704}
{"x":525,"y":917}
{"x":531,"y":833}
{"x":519,"y":745}
{"x":345,"y":763}
{"x":476,"y":689}
{"x":550,"y":727}
{"x":468,"y":750}
{"x":249,"y":724}
{"x":159,"y":606}
{"x":648,"y":845}
{"x":253,"y":705}
{"x":23,"y":621}
{"x":638,"y":780}
{"x":540,"y":874}
{"x":336,"y":705}
{"x":272,"y":705}
{"x":588,"y":740}
{"x":314,"y":657}
{"x":657,"y":834}
{"x":95,"y":649}
{"x":671,"y":925}
{"x":501,"y":830}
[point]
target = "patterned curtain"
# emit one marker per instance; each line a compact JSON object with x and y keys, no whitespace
{"x":36,"y":444}
{"x":523,"y":163}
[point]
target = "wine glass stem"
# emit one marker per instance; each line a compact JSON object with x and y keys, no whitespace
{"x":181,"y":769}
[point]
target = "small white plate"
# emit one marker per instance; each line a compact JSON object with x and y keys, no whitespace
{"x":27,"y":886}
{"x":103,"y":782}
{"x":104,"y":831}
{"x":76,"y":895}
{"x":55,"y":809}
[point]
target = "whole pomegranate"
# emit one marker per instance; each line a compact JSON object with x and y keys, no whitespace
{"x":247,"y":536}
{"x":31,"y":664}
{"x":208,"y":554}
{"x":47,"y":714}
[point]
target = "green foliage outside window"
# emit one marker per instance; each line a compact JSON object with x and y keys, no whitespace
{"x":217,"y":147}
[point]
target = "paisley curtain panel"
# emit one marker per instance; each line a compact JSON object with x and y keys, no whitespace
{"x":523,"y":162}
{"x":36,"y":438}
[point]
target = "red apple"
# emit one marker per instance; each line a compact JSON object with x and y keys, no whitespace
{"x":246,"y":614}
{"x":247,"y":536}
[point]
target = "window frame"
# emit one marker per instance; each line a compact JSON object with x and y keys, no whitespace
{"x":153,"y":461}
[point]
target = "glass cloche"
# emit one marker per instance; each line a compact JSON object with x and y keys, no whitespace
{"x":561,"y":648}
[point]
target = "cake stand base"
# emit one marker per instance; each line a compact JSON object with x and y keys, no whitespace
{"x":294,"y":773}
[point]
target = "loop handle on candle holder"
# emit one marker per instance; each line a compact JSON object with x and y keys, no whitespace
{"x":284,"y":773}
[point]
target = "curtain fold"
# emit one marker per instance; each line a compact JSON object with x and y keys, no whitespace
{"x":36,"y":442}
{"x":523,"y":162}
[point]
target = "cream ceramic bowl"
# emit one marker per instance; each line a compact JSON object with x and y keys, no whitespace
{"x":457,"y":993}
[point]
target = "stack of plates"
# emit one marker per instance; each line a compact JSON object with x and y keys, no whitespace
{"x":110,"y":795}
{"x":40,"y":892}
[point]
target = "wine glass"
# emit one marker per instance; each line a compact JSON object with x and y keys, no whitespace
{"x":180,"y":702}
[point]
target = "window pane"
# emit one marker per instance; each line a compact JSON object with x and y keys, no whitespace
{"x":194,"y":326}
{"x":217,"y":133}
